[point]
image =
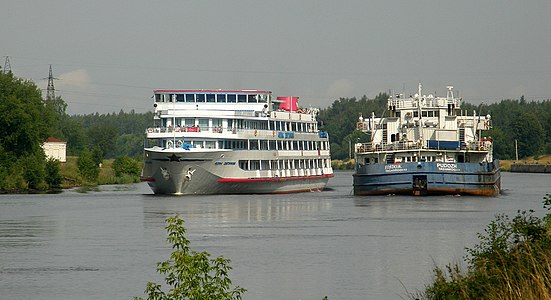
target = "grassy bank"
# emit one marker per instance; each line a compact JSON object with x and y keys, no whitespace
{"x":72,"y":178}
{"x":347,"y":164}
{"x":541,"y":160}
{"x":511,"y":261}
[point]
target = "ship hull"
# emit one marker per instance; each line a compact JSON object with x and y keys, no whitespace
{"x":428,"y":178}
{"x":218,"y":172}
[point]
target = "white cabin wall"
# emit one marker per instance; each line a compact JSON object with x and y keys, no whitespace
{"x":450,"y":122}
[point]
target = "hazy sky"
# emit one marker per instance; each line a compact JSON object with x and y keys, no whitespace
{"x":110,"y":55}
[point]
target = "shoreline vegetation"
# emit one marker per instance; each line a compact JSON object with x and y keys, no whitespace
{"x":511,"y":261}
{"x":348,"y":164}
{"x":71,"y":177}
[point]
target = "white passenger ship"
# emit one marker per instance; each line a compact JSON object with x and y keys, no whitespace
{"x":232,"y":142}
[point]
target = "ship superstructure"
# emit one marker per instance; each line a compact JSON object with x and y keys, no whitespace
{"x":234,"y":141}
{"x":426,"y":145}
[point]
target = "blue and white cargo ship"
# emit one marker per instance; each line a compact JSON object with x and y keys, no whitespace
{"x":234,"y":142}
{"x":426,"y":146}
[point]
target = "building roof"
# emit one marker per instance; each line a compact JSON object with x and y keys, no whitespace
{"x":54,"y":140}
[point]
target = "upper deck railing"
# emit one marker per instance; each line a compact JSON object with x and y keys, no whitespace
{"x":482,"y":145}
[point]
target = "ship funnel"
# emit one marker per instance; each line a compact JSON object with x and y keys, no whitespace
{"x":288,"y":103}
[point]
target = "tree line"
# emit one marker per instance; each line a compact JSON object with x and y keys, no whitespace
{"x":526,"y":122}
{"x":26,"y":120}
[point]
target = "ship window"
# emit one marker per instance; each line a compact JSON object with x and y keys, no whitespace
{"x":190,"y":98}
{"x":430,"y":113}
{"x":198,"y":144}
{"x":255,"y":165}
{"x":251,"y":99}
{"x":436,"y":113}
{"x":423,"y":113}
{"x":244,"y":164}
{"x":157,"y":97}
{"x":221,"y":98}
{"x":211,"y":97}
{"x":180,"y":97}
{"x":210,"y":144}
{"x":217,"y":123}
{"x":263,"y":145}
{"x":263,"y":98}
{"x":200,"y":97}
{"x":232,"y":98}
{"x":415,"y":114}
{"x":241,"y":98}
{"x":204,"y":124}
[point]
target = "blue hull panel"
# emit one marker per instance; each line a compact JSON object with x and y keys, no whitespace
{"x":428,"y":178}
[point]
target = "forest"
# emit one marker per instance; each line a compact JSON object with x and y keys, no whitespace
{"x":527,"y":122}
{"x":26,"y":120}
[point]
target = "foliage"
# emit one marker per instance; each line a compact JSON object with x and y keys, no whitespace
{"x":512,"y":261}
{"x":125,"y":165}
{"x":116,"y":134}
{"x":340,"y":120}
{"x":25,"y":123}
{"x":527,"y":122}
{"x":97,"y":155}
{"x":87,"y":167}
{"x":53,"y":173}
{"x":192,"y":274}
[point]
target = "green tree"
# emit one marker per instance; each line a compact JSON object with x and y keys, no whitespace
{"x":530,"y":134}
{"x":87,"y":167}
{"x":340,"y":120}
{"x":511,"y":262}
{"x":24,"y":125}
{"x":97,"y":155}
{"x":53,"y":173}
{"x":125,"y":165}
{"x":103,"y":135}
{"x":192,"y":274}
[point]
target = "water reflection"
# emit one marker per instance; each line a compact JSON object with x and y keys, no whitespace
{"x":260,"y":208}
{"x":105,"y":244}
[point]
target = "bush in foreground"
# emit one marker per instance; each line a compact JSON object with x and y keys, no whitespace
{"x":512,"y":261}
{"x":191,"y":274}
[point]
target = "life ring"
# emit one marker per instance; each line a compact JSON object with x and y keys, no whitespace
{"x":170,"y":144}
{"x":179,"y":143}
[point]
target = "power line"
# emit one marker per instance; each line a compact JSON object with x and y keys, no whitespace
{"x":7,"y":65}
{"x":50,"y":91}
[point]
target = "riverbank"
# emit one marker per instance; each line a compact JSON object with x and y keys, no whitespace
{"x":348,"y":164}
{"x":71,"y":176}
{"x":539,"y":160}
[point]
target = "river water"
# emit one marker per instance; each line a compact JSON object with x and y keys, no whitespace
{"x":105,"y":243}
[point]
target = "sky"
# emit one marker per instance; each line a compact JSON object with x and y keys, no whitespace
{"x":111,"y":55}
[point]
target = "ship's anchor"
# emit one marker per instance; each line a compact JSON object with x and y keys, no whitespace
{"x":189,"y":173}
{"x":165,"y":174}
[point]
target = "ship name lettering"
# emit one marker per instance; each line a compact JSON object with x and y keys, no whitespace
{"x":447,"y":167}
{"x":394,"y":168}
